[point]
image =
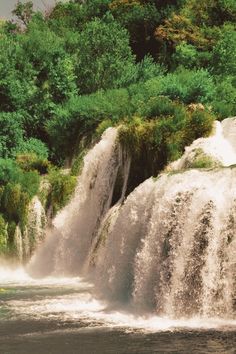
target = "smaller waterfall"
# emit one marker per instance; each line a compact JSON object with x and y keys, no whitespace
{"x":219,"y":147}
{"x":37,"y":221}
{"x":76,"y":226}
{"x":18,"y":244}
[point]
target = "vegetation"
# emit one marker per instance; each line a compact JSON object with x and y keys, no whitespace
{"x":160,"y":70}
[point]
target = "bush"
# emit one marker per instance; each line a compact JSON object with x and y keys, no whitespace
{"x":224,"y":102}
{"x":15,"y":204}
{"x":148,"y":69}
{"x":31,"y":162}
{"x":204,"y":162}
{"x":30,"y":182}
{"x":62,"y":187}
{"x":9,"y":171}
{"x":224,"y":53}
{"x":186,"y":55}
{"x":189,"y":86}
{"x":199,"y":125}
{"x":81,"y":115}
{"x":17,"y":188}
{"x":11,"y":133}
{"x":33,"y":146}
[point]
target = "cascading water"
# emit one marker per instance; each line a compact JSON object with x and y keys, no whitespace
{"x":170,"y":247}
{"x":75,"y":228}
{"x":18,"y":243}
{"x":220,"y":147}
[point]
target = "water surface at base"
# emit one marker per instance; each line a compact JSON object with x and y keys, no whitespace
{"x":56,"y":316}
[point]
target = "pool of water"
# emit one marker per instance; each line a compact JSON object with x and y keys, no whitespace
{"x":60,"y":316}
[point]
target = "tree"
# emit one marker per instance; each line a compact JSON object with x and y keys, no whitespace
{"x":104,"y":57}
{"x":17,"y":81}
{"x":224,"y":54}
{"x":11,"y":133}
{"x":24,"y":11}
{"x":140,"y":18}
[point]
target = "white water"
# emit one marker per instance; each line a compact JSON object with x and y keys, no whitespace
{"x":75,"y":227}
{"x":79,"y":304}
{"x":220,"y":147}
{"x":27,"y":241}
{"x":167,"y":253}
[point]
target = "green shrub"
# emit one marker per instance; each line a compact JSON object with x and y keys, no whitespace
{"x":31,"y":162}
{"x":11,"y":133}
{"x":17,"y":188}
{"x":224,"y":53}
{"x":148,"y":69}
{"x":186,"y":55}
{"x":199,"y":125}
{"x":30,"y":182}
{"x":9,"y":171}
{"x":224,"y":102}
{"x":33,"y":146}
{"x":204,"y":162}
{"x":81,"y":115}
{"x":62,"y":187}
{"x":189,"y":86}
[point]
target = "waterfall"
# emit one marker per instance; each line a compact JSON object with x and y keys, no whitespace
{"x":18,"y":243}
{"x":220,"y":147}
{"x":169,"y":247}
{"x":35,"y":229}
{"x":74,"y":229}
{"x":172,"y":247}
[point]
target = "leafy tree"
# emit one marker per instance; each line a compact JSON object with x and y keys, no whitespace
{"x":211,"y":12}
{"x":112,"y":64}
{"x":186,"y":55}
{"x":17,"y":81}
{"x":140,"y":18}
{"x":11,"y":133}
{"x":24,"y":11}
{"x":224,"y":54}
{"x":33,"y":146}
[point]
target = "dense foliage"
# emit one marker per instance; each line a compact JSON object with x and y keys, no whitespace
{"x":163,"y":70}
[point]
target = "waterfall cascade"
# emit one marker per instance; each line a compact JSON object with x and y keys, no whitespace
{"x":170,"y":247}
{"x":76,"y":226}
{"x":220,"y":148}
{"x":26,"y":241}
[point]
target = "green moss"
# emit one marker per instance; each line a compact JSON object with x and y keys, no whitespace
{"x":204,"y":162}
{"x":31,"y":162}
{"x":106,"y":123}
{"x":78,"y":163}
{"x":3,"y":235}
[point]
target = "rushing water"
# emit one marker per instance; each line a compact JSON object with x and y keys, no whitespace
{"x":161,"y":264}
